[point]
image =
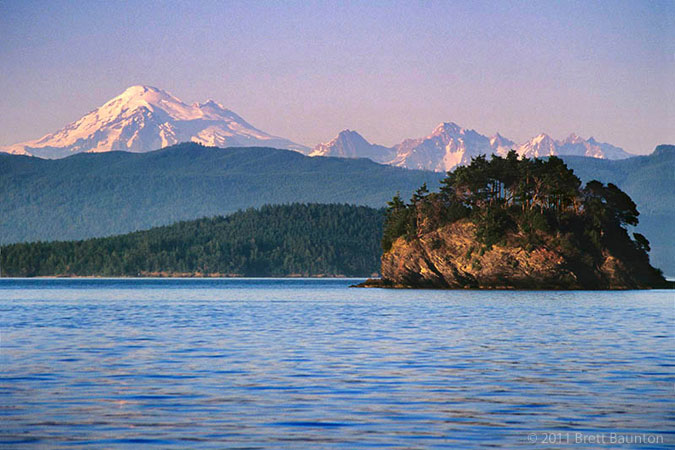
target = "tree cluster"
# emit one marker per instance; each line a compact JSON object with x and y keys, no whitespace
{"x":522,"y":199}
{"x":296,"y":239}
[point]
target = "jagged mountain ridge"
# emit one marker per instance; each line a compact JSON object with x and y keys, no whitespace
{"x":145,"y":118}
{"x":450,"y":145}
{"x":573,"y":145}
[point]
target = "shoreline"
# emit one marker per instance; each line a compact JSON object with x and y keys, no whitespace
{"x":371,"y":283}
{"x":184,"y":277}
{"x":381,"y":283}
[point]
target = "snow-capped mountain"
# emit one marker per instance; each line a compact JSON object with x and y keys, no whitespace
{"x":538,"y":146}
{"x":446,"y":147}
{"x":350,"y":144}
{"x":144,"y":118}
{"x":544,"y":145}
{"x":575,"y":145}
{"x":450,"y":145}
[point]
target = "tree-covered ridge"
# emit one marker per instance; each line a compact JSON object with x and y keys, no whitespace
{"x":296,"y":239}
{"x":103,"y":194}
{"x":524,"y":202}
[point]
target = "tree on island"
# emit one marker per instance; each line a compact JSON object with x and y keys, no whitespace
{"x":522,"y":201}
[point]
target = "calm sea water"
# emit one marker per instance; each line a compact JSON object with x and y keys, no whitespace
{"x":245,"y":363}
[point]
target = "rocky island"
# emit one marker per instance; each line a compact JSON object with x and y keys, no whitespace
{"x":512,"y":223}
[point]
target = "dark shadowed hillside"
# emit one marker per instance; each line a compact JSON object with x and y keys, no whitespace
{"x":89,"y":195}
{"x":296,"y":239}
{"x":650,"y":182}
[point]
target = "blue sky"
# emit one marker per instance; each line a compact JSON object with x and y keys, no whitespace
{"x":390,"y":70}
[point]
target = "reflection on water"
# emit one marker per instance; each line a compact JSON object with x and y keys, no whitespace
{"x":310,"y":363}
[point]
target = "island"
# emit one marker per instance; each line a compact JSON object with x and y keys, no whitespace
{"x":515,"y":223}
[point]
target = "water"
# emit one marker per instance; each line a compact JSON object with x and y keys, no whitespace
{"x":312,"y":364}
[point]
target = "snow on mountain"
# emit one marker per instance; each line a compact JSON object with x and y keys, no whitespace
{"x":446,"y":147}
{"x":573,"y":145}
{"x":501,"y":145}
{"x":144,"y":118}
{"x":537,"y":147}
{"x":350,"y":144}
{"x":450,"y":145}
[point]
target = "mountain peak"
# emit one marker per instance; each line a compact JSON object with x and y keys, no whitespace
{"x":349,"y":137}
{"x":350,"y":144}
{"x":501,"y":139}
{"x":573,"y":145}
{"x":574,"y":138}
{"x":348,"y":132}
{"x":541,"y":137}
{"x":447,"y":128}
{"x":501,"y":145}
{"x":538,"y":146}
{"x":145,"y":118}
{"x":450,"y":145}
{"x":150,"y":94}
{"x":139,"y":89}
{"x":139,"y":97}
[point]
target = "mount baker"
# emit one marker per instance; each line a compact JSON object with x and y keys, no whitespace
{"x":145,"y":118}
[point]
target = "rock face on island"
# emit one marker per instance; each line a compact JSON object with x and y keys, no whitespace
{"x":512,"y":223}
{"x":449,"y":258}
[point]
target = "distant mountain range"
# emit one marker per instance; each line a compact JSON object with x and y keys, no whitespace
{"x":450,"y":145}
{"x":145,"y":118}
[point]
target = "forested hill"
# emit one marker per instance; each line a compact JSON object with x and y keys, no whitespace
{"x":91,"y":195}
{"x":287,"y":240}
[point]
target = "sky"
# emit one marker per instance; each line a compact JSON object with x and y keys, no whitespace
{"x":390,"y":70}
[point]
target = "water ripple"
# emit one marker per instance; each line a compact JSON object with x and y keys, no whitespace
{"x":309,"y":363}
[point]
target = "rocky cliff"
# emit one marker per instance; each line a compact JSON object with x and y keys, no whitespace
{"x":516,"y":223}
{"x":450,"y":258}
